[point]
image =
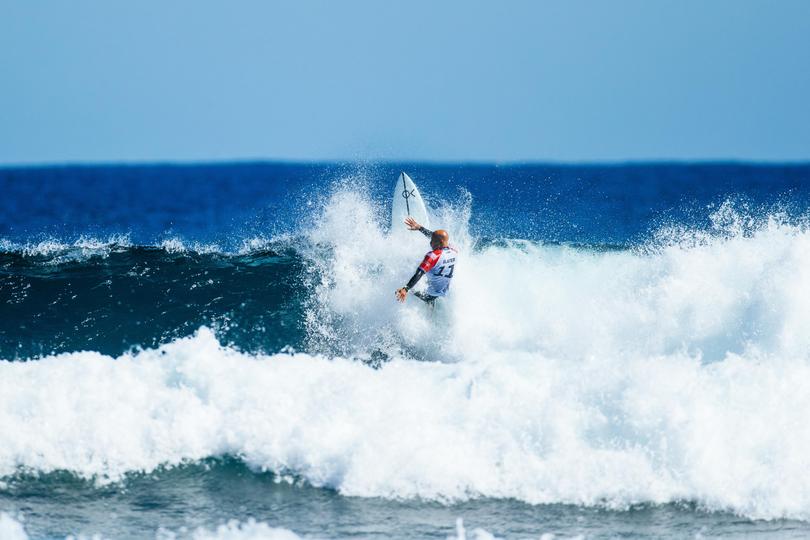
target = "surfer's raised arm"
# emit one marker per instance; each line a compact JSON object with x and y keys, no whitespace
{"x":414,"y":226}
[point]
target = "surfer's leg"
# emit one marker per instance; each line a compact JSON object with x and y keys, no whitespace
{"x":426,"y":298}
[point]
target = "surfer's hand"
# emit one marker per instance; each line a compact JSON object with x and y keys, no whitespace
{"x":401,"y":294}
{"x":412,"y":224}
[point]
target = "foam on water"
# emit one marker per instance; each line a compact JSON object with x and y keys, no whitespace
{"x":249,"y":530}
{"x":177,"y":245}
{"x":58,"y":251}
{"x":731,"y":434}
{"x":14,"y":529}
{"x":551,"y":375}
{"x":11,"y":529}
{"x":477,"y":533}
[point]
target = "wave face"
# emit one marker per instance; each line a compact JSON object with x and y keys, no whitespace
{"x":669,"y":368}
{"x":110,"y":296}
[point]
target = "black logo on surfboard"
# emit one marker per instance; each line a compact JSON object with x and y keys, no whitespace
{"x":407,"y":195}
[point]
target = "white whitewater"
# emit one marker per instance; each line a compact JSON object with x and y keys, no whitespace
{"x":609,"y":378}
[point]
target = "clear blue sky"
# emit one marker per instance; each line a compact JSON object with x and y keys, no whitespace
{"x":100,"y":80}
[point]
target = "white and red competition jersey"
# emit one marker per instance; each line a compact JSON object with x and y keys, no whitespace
{"x":439,"y":265}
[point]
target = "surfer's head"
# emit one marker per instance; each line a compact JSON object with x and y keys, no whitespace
{"x":439,"y":239}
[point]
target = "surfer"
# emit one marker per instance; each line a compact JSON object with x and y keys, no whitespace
{"x":438,"y":264}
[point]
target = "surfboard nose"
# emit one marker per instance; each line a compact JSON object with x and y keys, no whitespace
{"x":407,"y":202}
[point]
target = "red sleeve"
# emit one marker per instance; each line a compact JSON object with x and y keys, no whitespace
{"x":429,"y":261}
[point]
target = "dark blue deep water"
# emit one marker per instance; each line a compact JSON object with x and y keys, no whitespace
{"x":184,"y":345}
{"x":614,"y":204}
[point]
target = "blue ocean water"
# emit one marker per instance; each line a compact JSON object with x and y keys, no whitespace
{"x":214,"y":351}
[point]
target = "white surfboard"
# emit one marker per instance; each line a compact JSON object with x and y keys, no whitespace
{"x":407,"y":202}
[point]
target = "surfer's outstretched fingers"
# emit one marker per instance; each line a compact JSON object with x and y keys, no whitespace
{"x":412,"y":224}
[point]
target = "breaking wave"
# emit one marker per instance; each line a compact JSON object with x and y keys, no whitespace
{"x":673,"y":371}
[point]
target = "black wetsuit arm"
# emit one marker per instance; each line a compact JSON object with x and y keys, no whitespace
{"x":419,"y":272}
{"x":415,"y":278}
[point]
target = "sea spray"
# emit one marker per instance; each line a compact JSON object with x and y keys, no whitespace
{"x":599,"y":431}
{"x":727,"y":293}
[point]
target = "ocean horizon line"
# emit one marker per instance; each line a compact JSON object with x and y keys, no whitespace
{"x":651,"y":162}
